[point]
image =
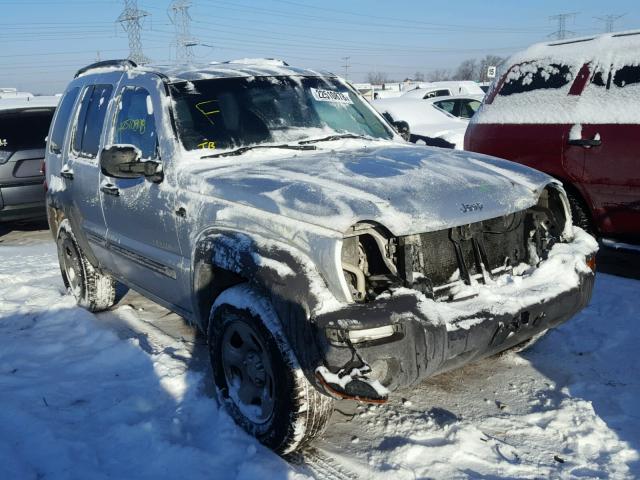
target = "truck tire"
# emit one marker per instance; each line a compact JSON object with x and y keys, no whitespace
{"x":257,"y":376}
{"x":92,"y":289}
{"x":580,"y":213}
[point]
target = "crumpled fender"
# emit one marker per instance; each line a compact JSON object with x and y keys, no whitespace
{"x":282,"y":274}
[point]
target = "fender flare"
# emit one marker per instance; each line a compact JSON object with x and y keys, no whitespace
{"x":283,"y":275}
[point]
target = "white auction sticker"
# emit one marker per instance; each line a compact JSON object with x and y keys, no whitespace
{"x":331,"y":96}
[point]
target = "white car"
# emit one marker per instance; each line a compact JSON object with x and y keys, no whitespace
{"x":432,"y":120}
{"x":445,"y":89}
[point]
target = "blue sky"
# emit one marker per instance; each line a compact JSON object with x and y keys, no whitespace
{"x":43,"y":42}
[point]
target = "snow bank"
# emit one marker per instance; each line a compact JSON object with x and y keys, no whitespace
{"x":76,"y":401}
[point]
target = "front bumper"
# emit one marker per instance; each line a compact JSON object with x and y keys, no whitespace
{"x":423,"y":345}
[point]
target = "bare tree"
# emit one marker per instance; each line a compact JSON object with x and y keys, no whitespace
{"x":418,"y":77}
{"x":377,"y":78}
{"x":467,"y":70}
{"x":439,"y":75}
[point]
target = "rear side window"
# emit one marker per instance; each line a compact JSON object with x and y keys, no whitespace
{"x":86,"y":137}
{"x":63,"y":115}
{"x":23,"y":130}
{"x":531,"y":76}
{"x":437,"y":93}
{"x":627,"y":75}
{"x":446,"y":105}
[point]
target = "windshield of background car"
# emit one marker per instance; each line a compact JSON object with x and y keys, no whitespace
{"x":23,"y":130}
{"x":232,"y":112}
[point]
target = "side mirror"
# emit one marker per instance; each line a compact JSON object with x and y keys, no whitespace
{"x":123,"y":161}
{"x":403,"y":129}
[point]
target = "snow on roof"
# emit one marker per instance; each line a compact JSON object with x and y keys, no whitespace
{"x":621,"y":45}
{"x":234,"y":68}
{"x":28,"y":102}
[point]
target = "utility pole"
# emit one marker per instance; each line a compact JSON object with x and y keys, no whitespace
{"x":180,"y":17}
{"x":609,"y":21}
{"x":562,"y":31}
{"x":131,"y":20}
{"x":346,"y":67}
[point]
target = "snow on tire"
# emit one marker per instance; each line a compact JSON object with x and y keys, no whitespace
{"x":92,"y":289}
{"x":257,"y":376}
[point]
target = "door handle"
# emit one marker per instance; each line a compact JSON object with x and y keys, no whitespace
{"x":181,"y":212}
{"x":110,"y":189}
{"x":579,"y":142}
{"x":66,"y":172}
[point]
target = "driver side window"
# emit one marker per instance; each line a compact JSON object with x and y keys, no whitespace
{"x":134,"y":123}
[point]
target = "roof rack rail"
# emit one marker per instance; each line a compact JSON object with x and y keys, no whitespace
{"x":125,"y":63}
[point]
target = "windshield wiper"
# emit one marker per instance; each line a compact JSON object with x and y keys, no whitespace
{"x":241,"y":150}
{"x":333,"y":137}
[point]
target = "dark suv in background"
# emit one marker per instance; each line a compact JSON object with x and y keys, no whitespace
{"x":570,"y":109}
{"x":24,"y":123}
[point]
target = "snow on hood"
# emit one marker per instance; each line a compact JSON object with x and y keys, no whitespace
{"x":407,"y":188}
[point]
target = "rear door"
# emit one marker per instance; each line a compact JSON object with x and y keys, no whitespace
{"x":612,"y":168}
{"x":80,"y":170}
{"x":140,"y":214}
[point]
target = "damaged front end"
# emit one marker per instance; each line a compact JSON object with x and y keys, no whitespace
{"x":413,"y":294}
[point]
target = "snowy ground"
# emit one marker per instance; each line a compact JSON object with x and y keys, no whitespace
{"x":126,"y":394}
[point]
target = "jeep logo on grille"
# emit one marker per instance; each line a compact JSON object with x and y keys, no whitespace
{"x":471,"y":207}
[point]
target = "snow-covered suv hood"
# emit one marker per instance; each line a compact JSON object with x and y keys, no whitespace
{"x":408,"y":189}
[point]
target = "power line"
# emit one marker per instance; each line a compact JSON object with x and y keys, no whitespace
{"x":131,"y":20}
{"x":181,"y":19}
{"x":609,"y":21}
{"x":561,"y":33}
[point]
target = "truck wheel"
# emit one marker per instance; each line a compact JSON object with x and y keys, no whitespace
{"x":580,"y":214}
{"x":91,"y":288}
{"x":258,"y":379}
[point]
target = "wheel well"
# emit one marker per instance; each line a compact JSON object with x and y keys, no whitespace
{"x":576,"y":193}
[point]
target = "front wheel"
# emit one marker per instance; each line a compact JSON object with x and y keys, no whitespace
{"x":258,"y":379}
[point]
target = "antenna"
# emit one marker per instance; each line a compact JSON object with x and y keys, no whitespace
{"x":562,"y":31}
{"x":609,"y":21}
{"x":346,"y":67}
{"x":131,"y":20}
{"x":180,"y":17}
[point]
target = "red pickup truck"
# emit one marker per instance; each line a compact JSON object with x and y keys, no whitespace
{"x":572,"y":110}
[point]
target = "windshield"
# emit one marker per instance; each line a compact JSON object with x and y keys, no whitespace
{"x":229,"y":113}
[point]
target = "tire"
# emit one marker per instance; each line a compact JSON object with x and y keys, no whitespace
{"x":580,"y":213}
{"x":92,"y":289}
{"x":257,"y":377}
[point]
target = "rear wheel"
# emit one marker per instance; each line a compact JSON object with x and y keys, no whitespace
{"x":258,"y":379}
{"x":91,"y":288}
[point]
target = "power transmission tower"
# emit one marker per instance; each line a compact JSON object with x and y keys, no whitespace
{"x":562,"y":31}
{"x":609,"y":21}
{"x":131,"y":20}
{"x":180,"y":17}
{"x":346,"y":67}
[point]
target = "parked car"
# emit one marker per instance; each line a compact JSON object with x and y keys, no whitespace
{"x":321,"y":255}
{"x":445,"y":89}
{"x":437,"y":121}
{"x":570,"y":109}
{"x":24,"y":123}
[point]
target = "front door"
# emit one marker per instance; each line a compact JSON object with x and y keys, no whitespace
{"x":612,"y":162}
{"x":139,"y":213}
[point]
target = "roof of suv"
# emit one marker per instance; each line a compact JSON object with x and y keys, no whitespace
{"x":29,"y":102}
{"x":576,"y":50}
{"x":235,"y":68}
